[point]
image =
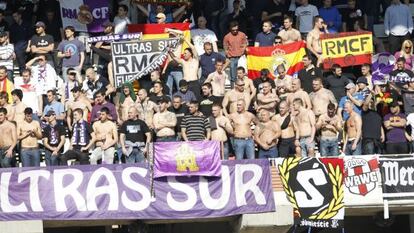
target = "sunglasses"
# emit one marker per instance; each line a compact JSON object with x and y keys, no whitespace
{"x":278,"y":42}
{"x":408,"y":47}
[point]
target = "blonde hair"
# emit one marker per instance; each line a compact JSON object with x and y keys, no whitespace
{"x":403,"y":45}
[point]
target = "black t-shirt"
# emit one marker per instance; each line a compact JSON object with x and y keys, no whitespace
{"x":99,"y":85}
{"x":42,"y":41}
{"x":179,"y":114}
{"x":134,"y":130}
{"x":371,"y":124}
{"x":272,"y":8}
{"x":53,"y":134}
{"x":258,"y":83}
{"x":206,"y":104}
{"x":154,"y":98}
{"x":350,"y":16}
{"x":306,"y":77}
{"x":337,"y":85}
{"x":401,"y":76}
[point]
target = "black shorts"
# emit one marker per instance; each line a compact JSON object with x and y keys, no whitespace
{"x":287,"y":147}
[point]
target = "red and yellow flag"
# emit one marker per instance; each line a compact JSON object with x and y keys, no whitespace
{"x":290,"y":55}
{"x":157,"y":31}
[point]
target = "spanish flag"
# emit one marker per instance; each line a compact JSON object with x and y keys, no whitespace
{"x":290,"y":55}
{"x":157,"y":31}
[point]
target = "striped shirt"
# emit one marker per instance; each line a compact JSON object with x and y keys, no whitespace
{"x":6,"y":58}
{"x":196,"y":127}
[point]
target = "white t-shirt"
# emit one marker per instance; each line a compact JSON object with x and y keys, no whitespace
{"x":30,"y":97}
{"x":121,"y":25}
{"x":305,"y":16}
{"x":410,"y":121}
{"x":200,"y":36}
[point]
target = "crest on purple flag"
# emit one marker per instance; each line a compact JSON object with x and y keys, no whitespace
{"x":382,"y":65}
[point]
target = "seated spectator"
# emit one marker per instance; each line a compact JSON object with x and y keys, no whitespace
{"x":407,"y":53}
{"x":186,"y":95}
{"x":394,"y":123}
{"x":53,"y":139}
{"x":28,"y":132}
{"x":331,"y":16}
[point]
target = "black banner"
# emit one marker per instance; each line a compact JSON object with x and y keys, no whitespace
{"x":132,"y":60}
{"x":397,"y":175}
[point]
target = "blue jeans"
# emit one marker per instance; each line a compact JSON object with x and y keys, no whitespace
{"x":233,"y":70}
{"x":174,"y":76}
{"x":136,"y":156}
{"x":30,"y":157}
{"x":267,"y":154}
{"x":349,"y":151}
{"x":244,"y":147}
{"x":5,"y":161}
{"x":50,"y":159}
{"x":167,"y":139}
{"x":329,"y":147}
{"x":226,"y":150}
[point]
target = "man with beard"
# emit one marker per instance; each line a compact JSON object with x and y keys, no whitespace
{"x":101,"y":102}
{"x":330,"y":125}
{"x":8,"y":143}
{"x":308,"y":73}
{"x":186,"y":95}
{"x":146,"y":108}
{"x":53,"y":139}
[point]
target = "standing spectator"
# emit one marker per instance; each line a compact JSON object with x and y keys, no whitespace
{"x":121,"y":20}
{"x":164,"y":122}
{"x":331,"y":16}
{"x":208,"y":61}
{"x":54,"y":26}
{"x":146,"y":107}
{"x":239,"y":15}
{"x":4,"y":98}
{"x":133,"y":11}
{"x":356,"y":98}
{"x":18,"y":105}
{"x":266,"y":100}
{"x":100,"y":103}
{"x":266,"y":135}
{"x":234,"y":95}
{"x":71,"y":82}
{"x":79,"y":101}
{"x":220,"y":126}
{"x":218,"y":79}
{"x":180,"y":111}
{"x":337,"y":82}
{"x":372,"y":131}
{"x":286,"y":145}
{"x":8,"y":143}
{"x":266,"y":37}
{"x":353,"y":128}
{"x":53,"y":139}
{"x":394,"y":124}
{"x":299,"y":93}
{"x":264,"y":77}
{"x":82,"y":140}
{"x":158,"y":92}
{"x":398,"y":24}
{"x":54,"y":106}
{"x":42,"y":43}
{"x":201,"y":35}
{"x":275,"y":11}
{"x":127,"y":99}
{"x":186,"y":95}
{"x":308,"y":73}
{"x":103,"y":48}
{"x":401,"y":74}
{"x":350,"y":15}
{"x":407,"y":53}
{"x":235,"y":44}
{"x":5,"y":84}
{"x":6,"y":54}
{"x":304,"y":17}
{"x":330,"y":125}
{"x":313,"y":40}
{"x":407,"y":94}
{"x":321,"y":98}
{"x":20,"y":33}
{"x":28,"y":132}
{"x":195,"y":126}
{"x":160,"y":15}
{"x":366,"y":73}
{"x":305,"y":125}
{"x":208,"y":99}
{"x":288,"y":34}
{"x":72,"y":52}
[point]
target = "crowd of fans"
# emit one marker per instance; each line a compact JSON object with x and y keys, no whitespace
{"x":54,"y":93}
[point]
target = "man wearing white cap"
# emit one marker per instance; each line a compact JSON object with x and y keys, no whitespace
{"x":356,"y":98}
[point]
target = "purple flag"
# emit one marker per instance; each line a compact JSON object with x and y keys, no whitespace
{"x":195,"y":158}
{"x":123,"y":191}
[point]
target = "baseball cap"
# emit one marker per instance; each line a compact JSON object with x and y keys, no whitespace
{"x":76,"y":89}
{"x":160,"y":16}
{"x":50,"y":112}
{"x":349,"y":86}
{"x":362,"y":79}
{"x":40,"y":24}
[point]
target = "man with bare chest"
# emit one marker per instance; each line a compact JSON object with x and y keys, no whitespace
{"x":220,"y":127}
{"x":232,"y":96}
{"x":286,"y":145}
{"x":7,"y":143}
{"x":242,"y":121}
{"x":266,"y":135}
{"x":330,"y":125}
{"x":299,"y":93}
{"x":304,"y":121}
{"x":313,"y":41}
{"x":127,"y":99}
{"x":4,"y":103}
{"x":106,"y":135}
{"x":353,"y":131}
{"x":288,"y":33}
{"x":164,"y":122}
{"x":267,"y":100}
{"x":29,"y":132}
{"x":78,"y":102}
{"x":320,"y":97}
{"x":18,"y":105}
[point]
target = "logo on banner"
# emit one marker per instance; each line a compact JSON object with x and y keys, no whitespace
{"x":186,"y":159}
{"x":279,"y":59}
{"x":361,"y":175}
{"x":315,"y":189}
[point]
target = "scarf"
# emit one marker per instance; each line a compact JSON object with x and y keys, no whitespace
{"x":53,"y":137}
{"x":80,"y":137}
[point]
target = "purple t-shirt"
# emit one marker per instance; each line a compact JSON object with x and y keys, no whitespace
{"x":96,"y":111}
{"x":395,"y":135}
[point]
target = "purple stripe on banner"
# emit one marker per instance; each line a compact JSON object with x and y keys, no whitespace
{"x":100,"y":12}
{"x":197,"y":158}
{"x":123,"y":192}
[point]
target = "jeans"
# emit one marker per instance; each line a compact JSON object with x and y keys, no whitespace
{"x":244,"y":147}
{"x":107,"y":155}
{"x":305,"y":146}
{"x":226,"y":149}
{"x":51,"y":160}
{"x":5,"y":161}
{"x":329,"y":147}
{"x":30,"y":157}
{"x":267,"y":154}
{"x":174,"y":76}
{"x":371,"y":146}
{"x":136,"y":156}
{"x":349,"y":151}
{"x":233,"y":70}
{"x":167,"y":139}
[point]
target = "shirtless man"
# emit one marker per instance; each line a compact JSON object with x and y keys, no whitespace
{"x":164,"y":122}
{"x":241,"y":121}
{"x":266,"y":100}
{"x":286,"y":145}
{"x":106,"y":134}
{"x":220,"y":129}
{"x":313,"y":42}
{"x":266,"y":135}
{"x":29,"y":132}
{"x":146,"y":108}
{"x":232,"y":96}
{"x":78,"y":102}
{"x":304,"y":121}
{"x":330,"y":125}
{"x":288,"y":33}
{"x":248,"y":83}
{"x":8,"y":143}
{"x":218,"y":79}
{"x":18,"y":105}
{"x":353,"y":131}
{"x":282,"y":79}
{"x":298,"y":93}
{"x":320,"y":97}
{"x":127,"y":99}
{"x":4,"y":103}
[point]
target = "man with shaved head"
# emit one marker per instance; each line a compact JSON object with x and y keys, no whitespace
{"x":299,"y":93}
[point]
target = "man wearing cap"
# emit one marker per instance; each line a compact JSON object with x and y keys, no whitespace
{"x":28,"y":132}
{"x":42,"y":43}
{"x":55,"y":106}
{"x":6,"y":54}
{"x":363,"y":87}
{"x":356,"y":98}
{"x":53,"y":139}
{"x":164,"y":122}
{"x":72,"y":52}
{"x":79,"y":101}
{"x":186,"y":95}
